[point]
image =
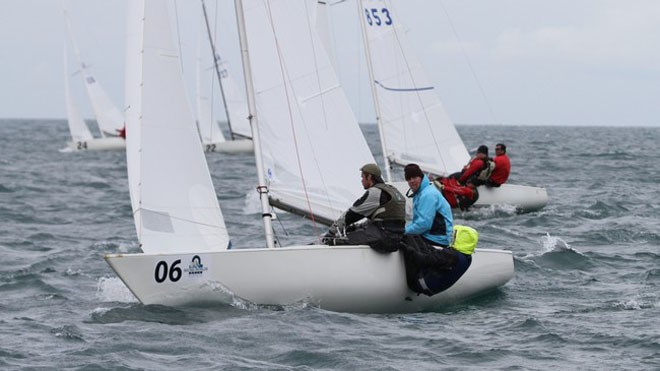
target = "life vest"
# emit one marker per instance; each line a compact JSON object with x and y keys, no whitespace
{"x":464,"y":239}
{"x":486,"y":170}
{"x":394,"y":209}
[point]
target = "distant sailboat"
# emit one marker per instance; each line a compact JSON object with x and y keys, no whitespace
{"x":108,"y":117}
{"x":185,"y":259}
{"x":414,"y":126}
{"x":211,"y":69}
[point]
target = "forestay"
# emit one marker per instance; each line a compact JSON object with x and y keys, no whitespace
{"x":312,"y":145}
{"x":173,"y":213}
{"x":415,"y":125}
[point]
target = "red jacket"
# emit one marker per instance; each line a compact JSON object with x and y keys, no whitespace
{"x":475,"y":165}
{"x":502,"y":169}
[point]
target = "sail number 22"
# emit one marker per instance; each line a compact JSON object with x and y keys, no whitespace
{"x":378,"y":17}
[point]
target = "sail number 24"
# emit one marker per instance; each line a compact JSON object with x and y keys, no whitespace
{"x":378,"y":17}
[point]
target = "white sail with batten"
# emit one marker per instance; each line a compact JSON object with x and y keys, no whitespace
{"x":414,"y":121}
{"x":173,"y":213}
{"x":312,"y":145}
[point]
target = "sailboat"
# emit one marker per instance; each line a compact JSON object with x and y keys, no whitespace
{"x":234,"y":104}
{"x":185,"y":259}
{"x":108,"y":117}
{"x":414,"y":126}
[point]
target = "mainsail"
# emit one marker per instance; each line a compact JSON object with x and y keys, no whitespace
{"x":414,"y":123}
{"x":312,"y":145}
{"x":108,"y":117}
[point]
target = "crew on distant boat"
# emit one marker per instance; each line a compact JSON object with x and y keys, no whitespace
{"x":383,"y":206}
{"x":432,"y":217}
{"x":458,"y":196}
{"x":122,"y":132}
{"x":502,"y":167}
{"x":478,"y":170}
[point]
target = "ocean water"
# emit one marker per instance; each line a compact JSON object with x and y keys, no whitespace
{"x":585,"y":296}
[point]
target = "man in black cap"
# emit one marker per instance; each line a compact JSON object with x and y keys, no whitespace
{"x":478,"y":170}
{"x":384,"y":207}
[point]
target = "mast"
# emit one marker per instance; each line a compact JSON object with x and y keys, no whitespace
{"x":262,"y":188}
{"x":386,"y":161}
{"x":216,"y":64}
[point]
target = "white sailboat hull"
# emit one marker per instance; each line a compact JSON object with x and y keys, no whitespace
{"x":346,"y":279}
{"x":97,"y":144}
{"x":523,"y":198}
{"x":230,"y":146}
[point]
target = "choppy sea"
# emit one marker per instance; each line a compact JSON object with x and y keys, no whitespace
{"x":585,"y":295}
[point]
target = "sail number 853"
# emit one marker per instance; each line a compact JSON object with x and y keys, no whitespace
{"x":163,"y":272}
{"x":378,"y":18}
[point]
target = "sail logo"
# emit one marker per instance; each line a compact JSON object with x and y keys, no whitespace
{"x":196,"y":268}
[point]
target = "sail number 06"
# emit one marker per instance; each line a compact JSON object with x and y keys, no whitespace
{"x":162,"y":272}
{"x":374,"y":16}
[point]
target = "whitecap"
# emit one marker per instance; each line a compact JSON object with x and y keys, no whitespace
{"x":113,"y":289}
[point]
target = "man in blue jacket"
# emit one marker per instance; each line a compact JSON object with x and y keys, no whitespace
{"x":432,"y":217}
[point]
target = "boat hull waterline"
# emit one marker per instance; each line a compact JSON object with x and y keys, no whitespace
{"x":340,"y":278}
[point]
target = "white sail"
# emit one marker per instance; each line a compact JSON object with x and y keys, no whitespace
{"x":108,"y":117}
{"x":206,"y":93}
{"x":312,"y":145}
{"x":233,"y":97}
{"x":415,"y":125}
{"x":341,"y":278}
{"x":77,"y":127}
{"x":236,"y":104}
{"x":174,"y":203}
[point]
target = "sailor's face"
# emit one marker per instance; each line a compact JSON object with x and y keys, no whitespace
{"x":414,"y":183}
{"x":366,"y":182}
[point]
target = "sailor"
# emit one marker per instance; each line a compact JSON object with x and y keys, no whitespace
{"x":502,"y":167}
{"x":382,"y":205}
{"x":458,"y":196}
{"x":478,"y":170}
{"x":432,"y":217}
{"x":122,"y":132}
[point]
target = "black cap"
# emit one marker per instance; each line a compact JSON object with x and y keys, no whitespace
{"x":411,"y":171}
{"x":482,"y":149}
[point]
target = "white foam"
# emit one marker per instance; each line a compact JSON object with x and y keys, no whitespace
{"x":113,"y":289}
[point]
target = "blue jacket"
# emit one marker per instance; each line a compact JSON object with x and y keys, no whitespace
{"x":432,"y":217}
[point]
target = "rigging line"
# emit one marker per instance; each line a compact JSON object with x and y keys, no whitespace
{"x":474,"y":75}
{"x":417,"y":94}
{"x":293,"y":129}
{"x":178,"y":32}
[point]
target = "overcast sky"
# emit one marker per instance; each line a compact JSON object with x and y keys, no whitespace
{"x":514,"y":62}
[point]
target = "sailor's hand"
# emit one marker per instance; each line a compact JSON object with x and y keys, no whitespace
{"x":328,"y":237}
